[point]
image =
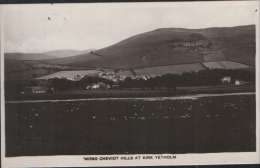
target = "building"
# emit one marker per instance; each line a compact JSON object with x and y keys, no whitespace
{"x":99,"y":85}
{"x":75,"y":78}
{"x":226,"y":79}
{"x":239,"y":82}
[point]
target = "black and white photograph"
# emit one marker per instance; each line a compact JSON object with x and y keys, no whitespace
{"x":136,"y":83}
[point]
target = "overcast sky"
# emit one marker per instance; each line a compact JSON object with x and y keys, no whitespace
{"x":41,"y":28}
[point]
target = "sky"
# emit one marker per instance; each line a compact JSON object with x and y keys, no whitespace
{"x":38,"y":28}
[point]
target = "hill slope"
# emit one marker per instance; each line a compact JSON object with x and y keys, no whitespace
{"x":172,"y":46}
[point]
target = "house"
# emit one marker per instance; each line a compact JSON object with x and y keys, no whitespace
{"x":95,"y":86}
{"x":139,"y":77}
{"x":239,"y":82}
{"x":88,"y":87}
{"x":75,"y":78}
{"x":99,"y":85}
{"x":226,"y":79}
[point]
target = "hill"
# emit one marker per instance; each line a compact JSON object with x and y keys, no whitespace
{"x":27,"y":56}
{"x":46,"y":55}
{"x":17,"y":65}
{"x":67,"y":53}
{"x":172,"y":46}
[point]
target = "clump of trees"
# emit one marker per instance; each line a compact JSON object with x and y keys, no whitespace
{"x":203,"y":77}
{"x":65,"y":84}
{"x":165,"y":81}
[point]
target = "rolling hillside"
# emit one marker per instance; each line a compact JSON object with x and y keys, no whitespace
{"x":172,"y":46}
{"x":23,"y":66}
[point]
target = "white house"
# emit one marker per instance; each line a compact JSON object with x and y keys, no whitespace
{"x":226,"y":79}
{"x":239,"y":82}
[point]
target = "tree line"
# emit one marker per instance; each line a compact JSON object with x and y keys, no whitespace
{"x":169,"y":81}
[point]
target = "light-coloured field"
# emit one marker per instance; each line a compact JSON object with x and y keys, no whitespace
{"x":214,"y":56}
{"x":66,"y":74}
{"x":171,"y":69}
{"x":225,"y":65}
{"x":126,"y":73}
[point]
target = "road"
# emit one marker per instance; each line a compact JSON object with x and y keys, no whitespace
{"x":196,"y":96}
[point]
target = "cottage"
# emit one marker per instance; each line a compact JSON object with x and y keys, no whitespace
{"x":239,"y":82}
{"x":226,"y":79}
{"x":95,"y":86}
{"x":99,"y":85}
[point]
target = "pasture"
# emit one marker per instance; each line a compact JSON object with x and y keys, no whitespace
{"x":12,"y":65}
{"x":67,"y":74}
{"x":225,"y":65}
{"x":132,"y":126}
{"x":171,"y":69}
{"x":27,"y":74}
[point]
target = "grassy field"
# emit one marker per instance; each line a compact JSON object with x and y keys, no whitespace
{"x":231,"y":88}
{"x":213,"y":56}
{"x":203,"y":125}
{"x":171,"y":69}
{"x":12,"y":65}
{"x":241,"y":53}
{"x":27,"y":74}
{"x":126,"y":73}
{"x":66,"y":74}
{"x":27,"y":56}
{"x":225,"y":65}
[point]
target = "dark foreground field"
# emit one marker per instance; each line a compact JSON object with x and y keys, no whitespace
{"x":194,"y":125}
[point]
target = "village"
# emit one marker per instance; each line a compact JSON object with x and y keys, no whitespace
{"x":44,"y":86}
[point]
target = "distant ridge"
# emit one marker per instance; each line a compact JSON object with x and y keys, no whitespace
{"x":46,"y":55}
{"x":67,"y":53}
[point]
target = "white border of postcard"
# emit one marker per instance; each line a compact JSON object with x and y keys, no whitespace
{"x":138,"y":160}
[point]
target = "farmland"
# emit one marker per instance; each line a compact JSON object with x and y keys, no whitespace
{"x":241,"y":53}
{"x":171,"y":69}
{"x":27,"y":56}
{"x":213,"y":56}
{"x":225,"y":65}
{"x":132,"y":126}
{"x":27,"y":74}
{"x":67,"y":74}
{"x":126,"y":73}
{"x":12,"y":65}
